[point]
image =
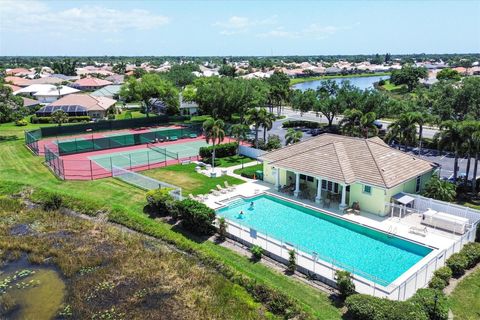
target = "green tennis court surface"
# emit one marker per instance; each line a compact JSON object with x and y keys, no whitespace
{"x":145,"y":156}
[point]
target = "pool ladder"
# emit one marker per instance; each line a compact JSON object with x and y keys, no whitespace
{"x":392,"y":230}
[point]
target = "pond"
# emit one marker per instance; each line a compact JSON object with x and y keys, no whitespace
{"x":29,"y":291}
{"x":360,"y":82}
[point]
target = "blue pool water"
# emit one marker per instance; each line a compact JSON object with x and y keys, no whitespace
{"x":363,"y":249}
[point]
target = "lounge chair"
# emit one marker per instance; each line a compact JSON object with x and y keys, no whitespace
{"x":214,"y":192}
{"x":197,"y":198}
{"x":228,"y":187}
{"x":417,"y":230}
{"x":222,"y":190}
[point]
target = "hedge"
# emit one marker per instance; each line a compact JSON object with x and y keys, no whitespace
{"x":444,"y":273}
{"x":457,"y":262}
{"x":425,"y":299}
{"x":221,"y":150}
{"x":301,"y":123}
{"x":196,"y":216}
{"x":35,"y":119}
{"x":362,"y":306}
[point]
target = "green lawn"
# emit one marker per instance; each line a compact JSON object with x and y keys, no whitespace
{"x":135,"y":114}
{"x":185,"y":177}
{"x":249,"y":171}
{"x":232,"y":161}
{"x":125,"y":203}
{"x":465,"y":300}
{"x":360,"y":75}
{"x":388,"y":86}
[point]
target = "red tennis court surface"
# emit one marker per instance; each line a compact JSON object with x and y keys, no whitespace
{"x":80,"y":166}
{"x":103,"y":134}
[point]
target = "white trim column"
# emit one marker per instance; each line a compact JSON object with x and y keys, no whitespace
{"x":277,"y":178}
{"x":343,"y":204}
{"x":297,"y":185}
{"x":318,"y":198}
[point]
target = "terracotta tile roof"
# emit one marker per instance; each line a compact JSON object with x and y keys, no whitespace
{"x":27,"y":102}
{"x":348,"y":160}
{"x":17,"y":81}
{"x":17,"y":71}
{"x":91,"y":82}
{"x":88,"y":101}
{"x":13,"y":87}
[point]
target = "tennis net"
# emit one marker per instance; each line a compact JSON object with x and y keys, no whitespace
{"x":163,"y":151}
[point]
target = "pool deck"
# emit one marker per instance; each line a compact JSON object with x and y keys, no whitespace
{"x":435,"y":238}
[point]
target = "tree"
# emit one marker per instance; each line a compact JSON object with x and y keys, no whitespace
{"x":403,"y":129}
{"x":448,"y":74}
{"x":59,"y":117}
{"x":409,"y":76}
{"x":267,"y":124}
{"x":357,"y":124}
{"x":440,"y":189}
{"x":388,"y":57}
{"x":120,"y":68}
{"x":471,"y":144}
{"x":239,"y":131}
{"x":11,"y":107}
{"x":344,"y":283}
{"x":327,"y":102}
{"x":66,"y":67}
{"x":256,"y":117}
{"x":451,"y":135}
{"x":279,"y":90}
{"x":303,"y":100}
{"x":189,"y":93}
{"x":181,"y":74}
{"x":292,"y":136}
{"x":214,"y":132}
{"x":152,"y":89}
{"x":227,"y":70}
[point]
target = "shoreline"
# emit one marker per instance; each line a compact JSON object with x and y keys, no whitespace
{"x":316,"y":78}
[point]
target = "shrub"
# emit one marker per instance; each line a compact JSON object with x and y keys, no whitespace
{"x":344,"y":283}
{"x":52,"y":202}
{"x":437,"y":283}
{"x":196,"y":216}
{"x":35,"y":119}
{"x":472,"y":253}
{"x":273,"y":142}
{"x":222,"y":229}
{"x":362,"y":306}
{"x":425,"y":298}
{"x":221,"y":150}
{"x":160,"y":201}
{"x":21,"y":123}
{"x":292,"y":263}
{"x":257,"y":252}
{"x":457,"y":262}
{"x":275,"y":301}
{"x":444,"y":273}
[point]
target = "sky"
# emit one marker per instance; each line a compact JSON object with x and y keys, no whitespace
{"x":225,"y":28}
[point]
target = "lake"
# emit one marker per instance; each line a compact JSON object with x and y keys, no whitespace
{"x":360,"y":82}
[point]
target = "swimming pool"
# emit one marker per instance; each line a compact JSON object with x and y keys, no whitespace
{"x":365,"y":250}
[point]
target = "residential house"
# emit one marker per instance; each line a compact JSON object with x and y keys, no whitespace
{"x":110,"y":91}
{"x":116,"y":78}
{"x":18,"y":81}
{"x":80,"y":105}
{"x":342,"y":170}
{"x":46,"y":93}
{"x":90,"y":83}
{"x":30,"y":103}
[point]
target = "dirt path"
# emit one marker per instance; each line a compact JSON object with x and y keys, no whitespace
{"x":454,"y":282}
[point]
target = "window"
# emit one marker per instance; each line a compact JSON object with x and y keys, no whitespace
{"x":330,"y":186}
{"x":310,"y":179}
{"x":303,"y":177}
{"x":418,"y":184}
{"x":367,"y":189}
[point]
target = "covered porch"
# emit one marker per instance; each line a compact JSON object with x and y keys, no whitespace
{"x":325,"y":192}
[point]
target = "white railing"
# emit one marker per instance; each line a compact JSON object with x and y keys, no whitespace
{"x":324,"y":267}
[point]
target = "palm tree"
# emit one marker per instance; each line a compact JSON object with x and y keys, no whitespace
{"x":267,"y":124}
{"x":214,"y":132}
{"x":367,"y":124}
{"x":239,"y":131}
{"x":440,"y":189}
{"x":476,"y":144}
{"x":349,"y":123}
{"x":59,"y":117}
{"x":451,"y":136}
{"x":404,"y":130}
{"x":256,"y":117}
{"x":471,"y":145}
{"x":292,"y":136}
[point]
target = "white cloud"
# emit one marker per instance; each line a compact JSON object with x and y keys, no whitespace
{"x":237,"y":24}
{"x":36,"y":16}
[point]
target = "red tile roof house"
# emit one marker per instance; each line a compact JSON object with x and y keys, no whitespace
{"x":17,"y":81}
{"x":90,"y":83}
{"x":95,"y":107}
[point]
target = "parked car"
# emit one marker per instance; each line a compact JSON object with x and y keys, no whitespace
{"x":378,"y":124}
